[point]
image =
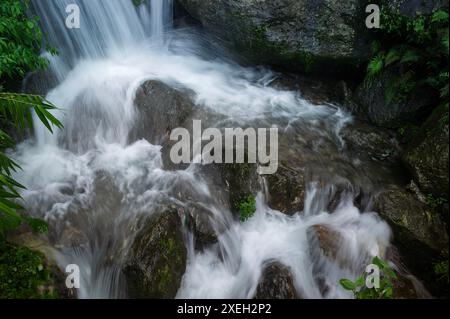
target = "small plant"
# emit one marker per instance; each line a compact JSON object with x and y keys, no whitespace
{"x":441,"y":269}
{"x":385,"y":289}
{"x":247,"y":208}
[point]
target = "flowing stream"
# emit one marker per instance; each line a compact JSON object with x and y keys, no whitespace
{"x":94,"y":187}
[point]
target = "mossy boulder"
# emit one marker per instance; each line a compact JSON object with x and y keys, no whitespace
{"x":427,"y":155}
{"x":419,"y":233}
{"x":306,"y":35}
{"x":157,"y":259}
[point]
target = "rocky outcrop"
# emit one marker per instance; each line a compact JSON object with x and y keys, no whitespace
{"x":378,"y":108}
{"x":419,"y":233}
{"x":276,"y":283}
{"x":427,"y":156}
{"x":157,"y":259}
{"x":299,"y":34}
{"x":411,"y":218}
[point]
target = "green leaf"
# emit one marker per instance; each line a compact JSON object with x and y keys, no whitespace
{"x":348,"y":284}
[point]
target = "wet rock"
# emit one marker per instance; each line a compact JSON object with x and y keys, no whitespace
{"x":405,"y":212}
{"x":419,"y":233}
{"x":157,"y":259}
{"x":291,"y":33}
{"x":412,"y":8}
{"x":40,"y":82}
{"x":276,"y":283}
{"x":329,"y":240}
{"x":287,"y":190}
{"x":241,"y":180}
{"x":427,"y":156}
{"x":371,"y":142}
{"x":161,"y":108}
{"x":200,"y":222}
{"x":385,"y":111}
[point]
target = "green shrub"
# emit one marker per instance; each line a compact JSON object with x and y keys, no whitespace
{"x":419,"y":47}
{"x":20,"y":41}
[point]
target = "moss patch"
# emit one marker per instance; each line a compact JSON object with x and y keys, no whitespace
{"x":24,"y":275}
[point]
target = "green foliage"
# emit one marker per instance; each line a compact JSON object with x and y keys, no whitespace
{"x":16,"y":109}
{"x":418,"y":47}
{"x":20,"y":41}
{"x":247,"y":208}
{"x":23,"y":274}
{"x":435,"y":202}
{"x":360,"y":290}
{"x":441,"y":269}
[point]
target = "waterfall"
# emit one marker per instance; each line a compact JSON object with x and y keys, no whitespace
{"x":94,"y":187}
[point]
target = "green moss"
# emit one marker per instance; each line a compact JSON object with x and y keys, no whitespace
{"x":441,"y":270}
{"x":23,"y":274}
{"x":164,"y":278}
{"x":247,"y":208}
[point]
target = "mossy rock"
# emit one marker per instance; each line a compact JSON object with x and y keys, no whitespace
{"x":25,"y":274}
{"x":157,"y":259}
{"x":427,"y":155}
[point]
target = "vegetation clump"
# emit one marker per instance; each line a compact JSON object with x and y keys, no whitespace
{"x":247,"y":208}
{"x":385,"y":289}
{"x":24,"y":275}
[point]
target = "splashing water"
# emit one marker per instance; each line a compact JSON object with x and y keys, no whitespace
{"x":94,"y":187}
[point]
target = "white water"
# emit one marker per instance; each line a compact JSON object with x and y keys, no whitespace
{"x":93,"y":187}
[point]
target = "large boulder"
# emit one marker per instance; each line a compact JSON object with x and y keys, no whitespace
{"x":157,"y":259}
{"x":427,"y":156}
{"x":276,"y":283}
{"x":419,"y":233}
{"x":161,"y":108}
{"x":299,"y":34}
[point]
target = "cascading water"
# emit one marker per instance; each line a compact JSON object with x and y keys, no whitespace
{"x":94,"y":187}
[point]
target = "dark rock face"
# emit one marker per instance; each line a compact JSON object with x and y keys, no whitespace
{"x":411,"y":216}
{"x":160,"y":108}
{"x":372,"y":142}
{"x":377,"y":108}
{"x":290,"y":33}
{"x":419,"y":234}
{"x":276,"y":283}
{"x":427,"y":157}
{"x":157,"y":259}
